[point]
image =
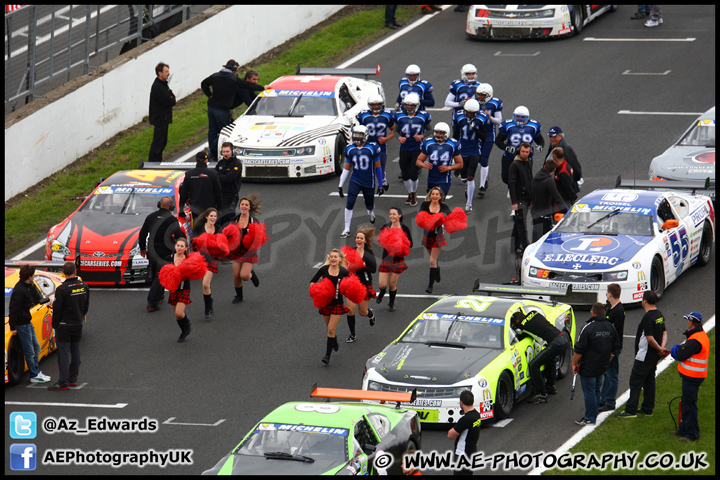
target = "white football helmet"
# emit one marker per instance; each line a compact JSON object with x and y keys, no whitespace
{"x":468,"y":73}
{"x":414,"y":72}
{"x":359,"y":135}
{"x":441,"y":132}
{"x":521,"y":115}
{"x":472,"y":107}
{"x":484,"y":93}
{"x":376,"y":104}
{"x":411,"y":103}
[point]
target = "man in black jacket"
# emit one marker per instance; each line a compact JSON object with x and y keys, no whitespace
{"x":615,"y":313}
{"x":158,"y":235}
{"x":519,"y":180}
{"x":72,"y":300}
{"x":537,"y":326}
{"x":229,"y":170}
{"x":22,"y":299}
{"x":598,"y":339}
{"x":201,"y":188}
{"x":557,"y":139}
{"x":162,"y":100}
{"x":545,"y":200}
{"x":564,"y":177}
{"x":221,"y":88}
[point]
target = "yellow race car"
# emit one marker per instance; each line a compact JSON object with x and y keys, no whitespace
{"x":45,"y":284}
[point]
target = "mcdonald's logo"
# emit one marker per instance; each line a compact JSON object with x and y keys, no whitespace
{"x":641,"y":276}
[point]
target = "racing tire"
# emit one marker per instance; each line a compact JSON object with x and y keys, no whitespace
{"x":705,"y":245}
{"x":657,"y":277}
{"x":411,"y":445}
{"x":15,"y":362}
{"x":577,"y":19}
{"x":340,"y":145}
{"x":564,"y":361}
{"x":504,"y":397}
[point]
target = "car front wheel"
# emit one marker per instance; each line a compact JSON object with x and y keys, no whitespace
{"x":340,"y":145}
{"x":657,"y":277}
{"x":16,"y":362}
{"x":564,"y":360}
{"x":705,"y":245}
{"x":577,"y":19}
{"x":504,"y":397}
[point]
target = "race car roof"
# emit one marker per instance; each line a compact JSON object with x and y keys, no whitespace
{"x":306,"y":83}
{"x":332,"y":415}
{"x":471,"y":306}
{"x":633,"y":201}
{"x":160,"y":178}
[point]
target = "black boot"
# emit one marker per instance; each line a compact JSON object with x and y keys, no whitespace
{"x":351,"y":326}
{"x":437,"y":274}
{"x":336,"y":346}
{"x":238,"y":295}
{"x":254,"y":279}
{"x":433,"y":276}
{"x":185,"y":326}
{"x":380,"y":296}
{"x":391,"y":304}
{"x":328,"y":350}
{"x":208,"y":305}
{"x":371,"y":316}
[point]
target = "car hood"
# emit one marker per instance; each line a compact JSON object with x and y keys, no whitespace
{"x":566,"y":251}
{"x":90,"y":232}
{"x":254,"y":131}
{"x":421,"y":364}
{"x":685,"y":163}
{"x":233,"y":464}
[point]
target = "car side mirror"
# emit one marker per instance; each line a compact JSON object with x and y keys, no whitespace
{"x":670,"y":224}
{"x":559,"y":216}
{"x":369,"y":449}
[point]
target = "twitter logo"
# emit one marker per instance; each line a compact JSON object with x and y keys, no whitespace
{"x":23,"y":425}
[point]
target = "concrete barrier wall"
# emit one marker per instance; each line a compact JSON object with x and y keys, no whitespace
{"x":48,"y":139}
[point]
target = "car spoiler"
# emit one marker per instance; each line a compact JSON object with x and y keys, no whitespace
{"x":366,"y":72}
{"x":172,"y":165}
{"x":542,"y":293}
{"x":49,"y":265}
{"x":664,"y":185}
{"x":398,"y":397}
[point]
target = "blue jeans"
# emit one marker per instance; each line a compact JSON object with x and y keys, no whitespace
{"x":644,"y":9}
{"x":690,"y":426}
{"x":591,"y":391}
{"x":610,"y":381}
{"x":217,"y":120}
{"x":30,"y":347}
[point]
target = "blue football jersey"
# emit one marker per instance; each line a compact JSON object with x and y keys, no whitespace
{"x":363,"y":163}
{"x":377,"y":125}
{"x":517,"y":134}
{"x":470,"y":144}
{"x":407,"y":126}
{"x":462,"y":91}
{"x":491,"y":106}
{"x":423,"y":88}
{"x":440,"y":154}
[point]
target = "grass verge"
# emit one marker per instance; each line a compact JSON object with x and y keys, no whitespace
{"x":32,"y":213}
{"x":649,"y":436}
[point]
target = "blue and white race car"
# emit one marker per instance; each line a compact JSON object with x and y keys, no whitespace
{"x":640,"y":239}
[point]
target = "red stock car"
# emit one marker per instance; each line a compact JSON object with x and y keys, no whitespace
{"x":103,"y":231}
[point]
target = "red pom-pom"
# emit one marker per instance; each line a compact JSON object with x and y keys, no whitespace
{"x":170,"y":277}
{"x":256,"y":236}
{"x":215,"y":245}
{"x":353,"y":289}
{"x":456,"y":220}
{"x":394,"y":241}
{"x":232,"y":233}
{"x":322,"y":292}
{"x":194,"y":267}
{"x":428,"y":221}
{"x":353,"y":260}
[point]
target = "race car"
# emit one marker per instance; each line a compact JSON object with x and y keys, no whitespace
{"x":513,"y":22}
{"x":639,"y":239}
{"x":692,"y":157}
{"x":300,"y":126}
{"x":43,"y":286}
{"x":465,"y":342}
{"x":335,"y":438}
{"x":104,"y":230}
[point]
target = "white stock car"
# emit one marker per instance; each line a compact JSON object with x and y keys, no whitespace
{"x":300,"y":126}
{"x":640,"y":239}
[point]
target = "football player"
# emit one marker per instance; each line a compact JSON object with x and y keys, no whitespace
{"x":439,"y":155}
{"x":521,"y":128}
{"x":492,"y":106}
{"x":411,"y":83}
{"x":411,"y":125}
{"x":380,"y":123}
{"x":473,"y":131}
{"x":460,"y":91}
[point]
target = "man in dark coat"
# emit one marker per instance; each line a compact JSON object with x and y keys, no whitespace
{"x":201,"y":187}
{"x":162,"y":99}
{"x":545,"y":200}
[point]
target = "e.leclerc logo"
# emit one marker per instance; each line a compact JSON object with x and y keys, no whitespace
{"x":593,"y":245}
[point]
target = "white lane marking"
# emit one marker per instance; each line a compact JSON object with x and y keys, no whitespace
{"x":588,"y":429}
{"x":627,"y":72}
{"x":28,"y":251}
{"x":336,"y":194}
{"x":502,"y":423}
{"x":438,"y":109}
{"x":62,"y":404}
{"x":500,"y":54}
{"x":593,"y":39}
{"x":169,"y":421}
{"x":630,"y":112}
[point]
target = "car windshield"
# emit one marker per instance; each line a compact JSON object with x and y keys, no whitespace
{"x":457,"y":330}
{"x":297,"y":442}
{"x":289,"y":106}
{"x":611,"y":223}
{"x":126,"y":203}
{"x":702,"y":135}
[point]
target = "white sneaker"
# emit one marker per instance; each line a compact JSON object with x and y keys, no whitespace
{"x":39,"y":379}
{"x":652,"y":23}
{"x":41,"y":374}
{"x":345,"y":234}
{"x":468,"y":208}
{"x":660,"y":21}
{"x":372,"y":217}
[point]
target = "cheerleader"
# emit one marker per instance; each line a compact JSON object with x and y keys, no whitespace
{"x":180,"y":297}
{"x":361,"y":261}
{"x":333,"y":271}
{"x":244,"y":256}
{"x":394,"y":237}
{"x":213,"y":245}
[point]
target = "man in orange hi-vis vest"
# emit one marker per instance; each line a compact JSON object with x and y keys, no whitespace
{"x":692,"y":356}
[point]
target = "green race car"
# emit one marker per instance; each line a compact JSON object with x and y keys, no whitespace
{"x":314,"y":438}
{"x":464,"y":342}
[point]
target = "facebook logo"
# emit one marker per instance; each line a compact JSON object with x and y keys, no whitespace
{"x":23,"y":456}
{"x":23,"y":425}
